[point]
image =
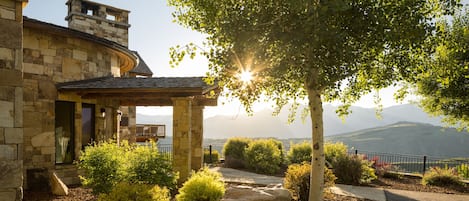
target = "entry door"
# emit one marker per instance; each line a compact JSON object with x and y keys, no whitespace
{"x":88,"y":124}
{"x":64,"y":131}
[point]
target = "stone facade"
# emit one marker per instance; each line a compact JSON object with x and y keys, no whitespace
{"x":11,"y":100}
{"x":100,"y":20}
{"x":49,"y":59}
{"x":187,"y":136}
{"x":182,"y":108}
{"x":127,"y":129}
{"x":112,"y":24}
{"x":35,"y":59}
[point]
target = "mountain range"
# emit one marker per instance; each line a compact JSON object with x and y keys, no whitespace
{"x":264,"y":124}
{"x":408,"y":138}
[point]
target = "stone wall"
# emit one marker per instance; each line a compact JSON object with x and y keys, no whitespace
{"x":128,"y":123}
{"x":187,"y":136}
{"x":11,"y":100}
{"x":50,"y":59}
{"x":100,"y":20}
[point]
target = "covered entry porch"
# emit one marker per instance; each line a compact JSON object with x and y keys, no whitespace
{"x":187,"y":95}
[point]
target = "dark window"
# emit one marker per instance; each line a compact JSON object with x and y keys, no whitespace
{"x":64,"y":131}
{"x":88,"y":123}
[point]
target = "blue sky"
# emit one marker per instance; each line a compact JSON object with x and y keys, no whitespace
{"x":152,"y":33}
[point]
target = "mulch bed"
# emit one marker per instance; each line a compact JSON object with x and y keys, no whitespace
{"x":404,"y":183}
{"x":412,"y":183}
{"x":76,"y":193}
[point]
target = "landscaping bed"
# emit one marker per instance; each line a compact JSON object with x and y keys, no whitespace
{"x":412,"y":183}
{"x":405,"y":183}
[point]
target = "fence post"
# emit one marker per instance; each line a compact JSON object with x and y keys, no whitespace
{"x":424,"y":165}
{"x":356,"y":151}
{"x":210,"y":153}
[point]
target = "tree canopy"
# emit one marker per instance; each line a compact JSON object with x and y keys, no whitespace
{"x":321,"y":50}
{"x":444,"y":82}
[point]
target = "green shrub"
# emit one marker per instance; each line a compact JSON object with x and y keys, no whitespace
{"x":106,"y":164}
{"x":215,"y":156}
{"x":334,"y":150}
{"x":263,"y":156}
{"x":204,"y":185}
{"x":353,"y":170}
{"x":140,"y":192}
{"x":297,"y":180}
{"x":442,"y":177}
{"x":234,"y":152}
{"x":148,"y":166}
{"x":103,"y":166}
{"x":463,"y":170}
{"x":300,"y":152}
{"x":279,"y":145}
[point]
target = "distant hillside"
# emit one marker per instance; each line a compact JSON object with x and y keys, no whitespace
{"x":408,"y":138}
{"x":399,"y":138}
{"x":263,"y":124}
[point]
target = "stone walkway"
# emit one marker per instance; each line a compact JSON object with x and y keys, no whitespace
{"x":243,"y":177}
{"x":378,"y":194}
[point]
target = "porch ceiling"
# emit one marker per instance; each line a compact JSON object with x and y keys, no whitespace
{"x":154,"y":91}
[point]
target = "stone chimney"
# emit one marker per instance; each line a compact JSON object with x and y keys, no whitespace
{"x":100,"y":20}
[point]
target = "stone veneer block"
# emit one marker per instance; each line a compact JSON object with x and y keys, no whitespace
{"x":7,"y":93}
{"x":32,"y":119}
{"x":11,"y":175}
{"x":19,"y":107}
{"x":11,"y":77}
{"x":80,"y":55}
{"x":71,"y":68}
{"x":48,"y":150}
{"x":7,"y":13}
{"x":7,"y":39}
{"x":47,"y":90}
{"x":8,"y":194}
{"x":13,"y":135}
{"x":6,"y":54}
{"x":7,"y":152}
{"x":6,"y":114}
{"x":33,"y":68}
{"x":2,"y":139}
{"x":45,"y":139}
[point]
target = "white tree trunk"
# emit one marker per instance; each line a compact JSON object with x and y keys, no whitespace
{"x":318,"y":160}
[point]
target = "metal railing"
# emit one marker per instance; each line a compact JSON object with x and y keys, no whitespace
{"x":415,"y":164}
{"x":166,"y":150}
{"x":211,"y":149}
{"x":404,"y":163}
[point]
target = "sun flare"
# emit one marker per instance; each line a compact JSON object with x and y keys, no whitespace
{"x":245,"y":76}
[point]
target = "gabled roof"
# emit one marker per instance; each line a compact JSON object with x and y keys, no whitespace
{"x":169,"y":83}
{"x":142,"y":68}
{"x":156,"y":91}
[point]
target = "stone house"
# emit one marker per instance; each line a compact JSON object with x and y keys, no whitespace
{"x":62,"y":88}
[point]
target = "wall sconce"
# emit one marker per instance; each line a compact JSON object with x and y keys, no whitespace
{"x":103,"y":112}
{"x":119,"y":115}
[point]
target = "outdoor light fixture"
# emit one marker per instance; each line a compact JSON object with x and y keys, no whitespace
{"x":103,"y":112}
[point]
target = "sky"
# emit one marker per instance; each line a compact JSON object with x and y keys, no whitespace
{"x":152,"y":33}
